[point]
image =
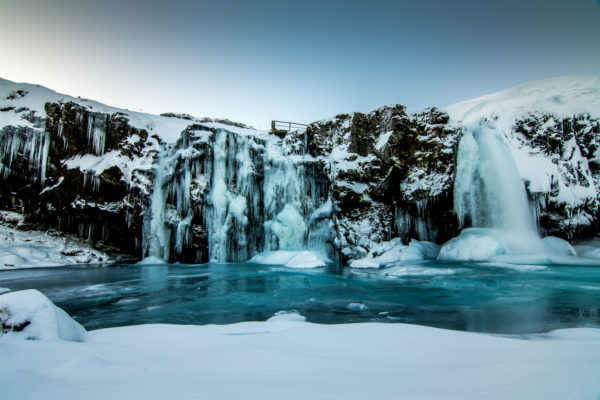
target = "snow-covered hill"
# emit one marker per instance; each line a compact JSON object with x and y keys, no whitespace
{"x":564,"y":97}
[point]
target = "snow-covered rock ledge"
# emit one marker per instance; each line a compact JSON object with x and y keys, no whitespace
{"x":288,"y":358}
{"x":26,"y":249}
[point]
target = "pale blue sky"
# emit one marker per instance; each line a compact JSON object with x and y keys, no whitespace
{"x":253,"y":61}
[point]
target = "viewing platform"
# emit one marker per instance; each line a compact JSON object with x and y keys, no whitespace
{"x":281,"y":128}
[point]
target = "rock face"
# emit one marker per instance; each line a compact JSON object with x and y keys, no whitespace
{"x":390,"y":173}
{"x":193,"y":190}
{"x":568,"y":205}
{"x":76,"y":172}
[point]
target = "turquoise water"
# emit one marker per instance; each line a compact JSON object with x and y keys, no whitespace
{"x":470,"y":297}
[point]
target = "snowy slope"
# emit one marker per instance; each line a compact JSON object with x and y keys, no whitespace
{"x":35,"y":97}
{"x":563,"y":96}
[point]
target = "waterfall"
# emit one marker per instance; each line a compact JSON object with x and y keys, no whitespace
{"x":488,"y":190}
{"x":490,"y":196}
{"x":245,"y":192}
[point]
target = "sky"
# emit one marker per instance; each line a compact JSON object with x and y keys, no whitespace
{"x":257,"y":60}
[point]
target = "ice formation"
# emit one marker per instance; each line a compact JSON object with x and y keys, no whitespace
{"x":490,"y":196}
{"x":248,"y":192}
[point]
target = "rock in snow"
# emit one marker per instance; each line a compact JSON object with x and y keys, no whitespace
{"x":28,"y":314}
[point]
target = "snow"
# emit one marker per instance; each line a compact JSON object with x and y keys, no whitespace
{"x":291,"y":259}
{"x":288,"y":358}
{"x":562,"y":96}
{"x":387,"y":253}
{"x":169,"y":129}
{"x":517,"y":247}
{"x":28,"y":314}
{"x":26,"y":249}
{"x":382,"y":140}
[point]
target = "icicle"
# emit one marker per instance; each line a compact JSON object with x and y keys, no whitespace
{"x":96,"y":135}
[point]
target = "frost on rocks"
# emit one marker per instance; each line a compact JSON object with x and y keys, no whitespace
{"x":187,"y":189}
{"x":28,"y":314}
{"x":391,"y":174}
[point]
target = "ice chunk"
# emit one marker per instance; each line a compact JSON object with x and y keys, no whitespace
{"x":151,"y":260}
{"x":29,"y":314}
{"x":394,"y":251}
{"x":305,"y":259}
{"x":484,"y":244}
{"x":560,"y":246}
{"x":288,"y":316}
{"x":357,"y":307}
{"x":365,"y":263}
{"x":291,"y":259}
{"x":471,"y":247}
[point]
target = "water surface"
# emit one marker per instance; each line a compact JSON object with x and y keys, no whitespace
{"x":470,"y":297}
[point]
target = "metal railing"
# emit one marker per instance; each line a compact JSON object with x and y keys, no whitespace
{"x":286,"y":126}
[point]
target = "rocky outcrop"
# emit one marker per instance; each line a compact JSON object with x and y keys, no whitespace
{"x":566,"y":202}
{"x":391,"y":174}
{"x":80,"y":172}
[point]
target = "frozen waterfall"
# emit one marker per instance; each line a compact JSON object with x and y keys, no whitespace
{"x":488,"y":190}
{"x":225,"y":196}
{"x":490,"y":196}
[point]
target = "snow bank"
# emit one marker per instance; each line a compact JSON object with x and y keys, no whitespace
{"x":24,"y":249}
{"x":394,"y":251}
{"x":28,"y":314}
{"x":291,"y":259}
{"x":286,"y":358}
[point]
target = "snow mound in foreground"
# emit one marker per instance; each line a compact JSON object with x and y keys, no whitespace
{"x":291,"y":259}
{"x":28,"y":314}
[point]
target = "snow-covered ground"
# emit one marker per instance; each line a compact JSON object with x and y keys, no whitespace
{"x":23,"y":249}
{"x":288,"y":358}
